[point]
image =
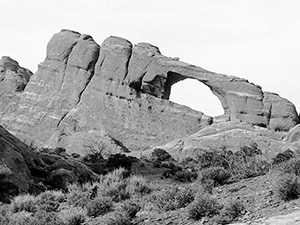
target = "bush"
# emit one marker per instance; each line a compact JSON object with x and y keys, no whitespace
{"x":283,"y":157}
{"x":287,"y":187}
{"x":119,"y":160}
{"x":130,"y":208}
{"x":160,"y":155}
{"x":77,"y":196}
{"x":25,"y":203}
{"x":172,"y":199}
{"x":202,"y":206}
{"x":49,"y":201}
{"x":218,"y":175}
{"x":137,"y":185}
{"x":229,"y":213}
{"x":117,"y":191}
{"x":38,"y":218}
{"x":185,"y":176}
{"x":292,"y":166}
{"x":99,"y":206}
{"x":245,"y":163}
{"x":72,"y":215}
{"x":112,"y":218}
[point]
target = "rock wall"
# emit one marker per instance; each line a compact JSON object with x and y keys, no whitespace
{"x":118,"y":93}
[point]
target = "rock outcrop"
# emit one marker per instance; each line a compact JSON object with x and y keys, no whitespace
{"x":27,"y":170}
{"x":229,"y":136}
{"x":118,"y":94}
{"x":13,"y":156}
{"x":13,"y":80}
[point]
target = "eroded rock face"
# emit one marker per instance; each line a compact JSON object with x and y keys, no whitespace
{"x":13,"y":78}
{"x":25,"y":168}
{"x":13,"y":155}
{"x":230,"y":136}
{"x":118,"y":94}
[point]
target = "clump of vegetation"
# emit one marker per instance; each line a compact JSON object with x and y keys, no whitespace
{"x":180,"y":174}
{"x":287,"y":187}
{"x":73,"y":215}
{"x":245,"y":163}
{"x":215,"y":175}
{"x":203,"y":206}
{"x":99,"y":206}
{"x":287,"y":181}
{"x":113,"y":218}
{"x":229,"y":213}
{"x":130,"y":208}
{"x":172,"y":198}
{"x":25,"y":203}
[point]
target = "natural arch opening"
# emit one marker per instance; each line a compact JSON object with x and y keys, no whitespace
{"x":196,"y":95}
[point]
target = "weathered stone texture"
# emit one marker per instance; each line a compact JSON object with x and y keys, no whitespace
{"x":120,"y":92}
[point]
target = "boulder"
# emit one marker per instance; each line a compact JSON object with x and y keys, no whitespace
{"x":60,"y":178}
{"x":282,"y":113}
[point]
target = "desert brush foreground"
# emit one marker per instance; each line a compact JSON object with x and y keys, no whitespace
{"x":92,"y":138}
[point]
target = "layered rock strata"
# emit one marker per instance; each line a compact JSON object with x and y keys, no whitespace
{"x":118,"y":93}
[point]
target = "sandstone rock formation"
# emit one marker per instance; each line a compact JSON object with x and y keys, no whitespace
{"x":27,"y":168}
{"x":12,"y":76}
{"x":13,"y":80}
{"x":13,"y":155}
{"x":118,"y":94}
{"x":228,"y":135}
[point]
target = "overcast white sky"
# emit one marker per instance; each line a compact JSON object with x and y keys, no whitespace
{"x":255,"y":39}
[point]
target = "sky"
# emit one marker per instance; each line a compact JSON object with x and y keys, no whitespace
{"x":254,"y":39}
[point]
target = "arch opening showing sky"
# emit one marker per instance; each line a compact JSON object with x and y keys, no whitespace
{"x":198,"y":96}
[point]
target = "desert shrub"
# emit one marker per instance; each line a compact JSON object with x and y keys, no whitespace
{"x":117,"y":191}
{"x":245,"y":163}
{"x":185,"y":176}
{"x":115,"y":176}
{"x":287,"y":186}
{"x":116,"y":161}
{"x":137,"y":185}
{"x":203,"y":205}
{"x":72,"y":215}
{"x":291,"y":166}
{"x":4,"y":214}
{"x":172,"y":199}
{"x":218,"y":175}
{"x":49,"y":201}
{"x":159,"y":154}
{"x":24,"y":202}
{"x":96,"y":148}
{"x":283,"y":157}
{"x":130,"y":208}
{"x":179,"y":174}
{"x":99,"y":206}
{"x":38,"y":218}
{"x":114,"y":185}
{"x":249,"y":167}
{"x":77,"y":196}
{"x":112,"y":218}
{"x":229,"y":213}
